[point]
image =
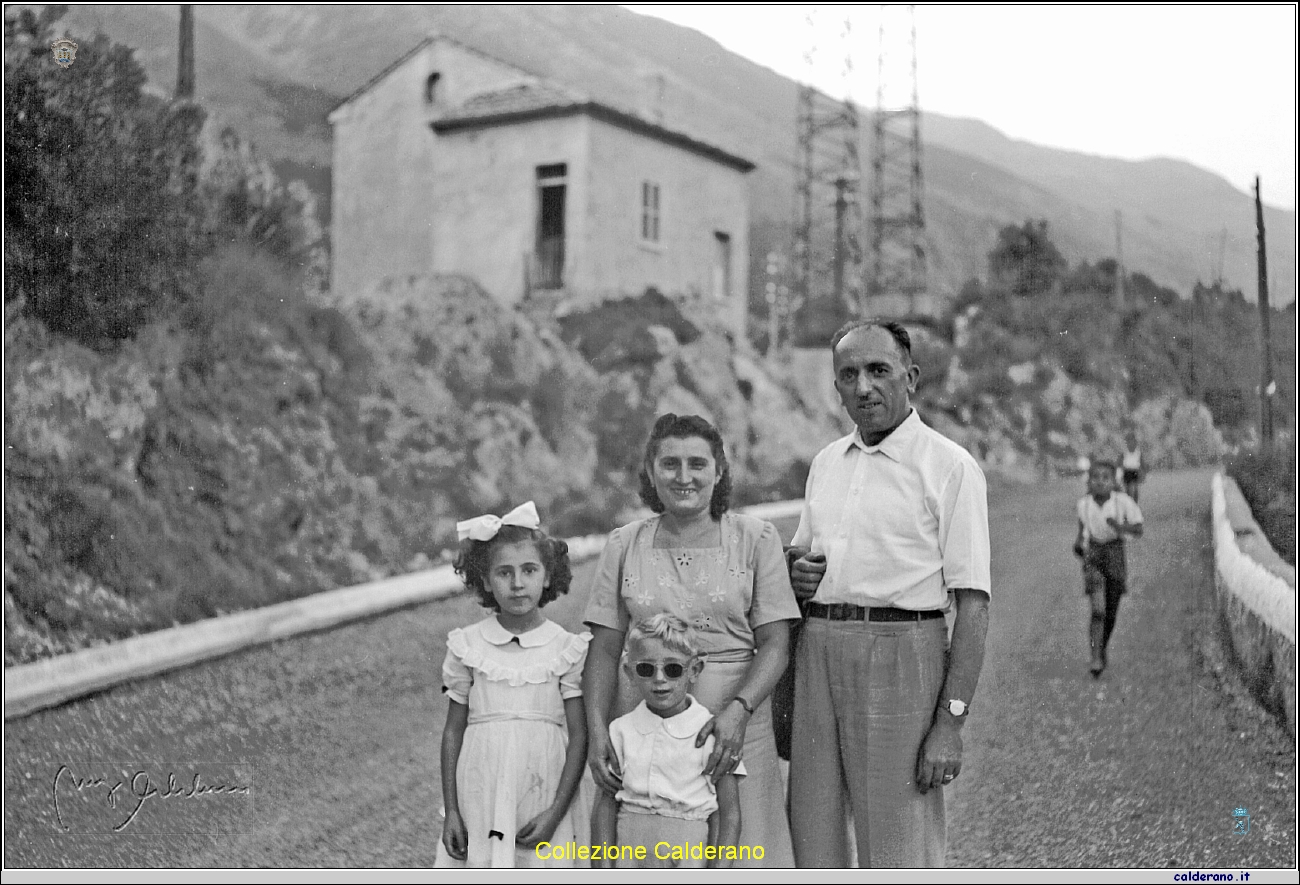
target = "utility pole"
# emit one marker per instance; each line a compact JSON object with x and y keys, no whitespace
{"x":828,"y":177}
{"x":1223,"y":245}
{"x":897,"y":284}
{"x":1119,"y":260}
{"x":185,"y":57}
{"x":1267,"y":387}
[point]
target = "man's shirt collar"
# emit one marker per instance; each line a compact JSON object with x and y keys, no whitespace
{"x":894,"y":446}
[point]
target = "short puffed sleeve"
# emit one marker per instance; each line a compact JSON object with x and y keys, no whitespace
{"x":574,"y":656}
{"x":773,"y":598}
{"x":605,"y":604}
{"x":456,"y":676}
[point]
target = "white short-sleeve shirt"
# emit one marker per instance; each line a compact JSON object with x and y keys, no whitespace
{"x":901,"y":523}
{"x":1093,"y":516}
{"x":663,"y":770}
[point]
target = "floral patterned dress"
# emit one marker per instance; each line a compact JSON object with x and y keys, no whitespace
{"x":725,"y":592}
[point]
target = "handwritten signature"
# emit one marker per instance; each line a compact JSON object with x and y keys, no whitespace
{"x":132,"y":793}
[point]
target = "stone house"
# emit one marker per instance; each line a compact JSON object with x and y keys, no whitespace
{"x":451,"y":161}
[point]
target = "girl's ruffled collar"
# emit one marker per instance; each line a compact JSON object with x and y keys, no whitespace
{"x":491,"y":630}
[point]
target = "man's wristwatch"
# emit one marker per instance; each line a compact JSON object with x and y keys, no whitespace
{"x":955,"y":707}
{"x":744,"y":703}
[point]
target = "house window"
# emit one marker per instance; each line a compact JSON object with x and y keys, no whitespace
{"x":721,"y":265}
{"x":431,"y":88}
{"x":649,"y":212}
{"x":548,"y":259}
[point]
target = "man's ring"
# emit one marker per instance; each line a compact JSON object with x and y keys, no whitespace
{"x":946,"y":778}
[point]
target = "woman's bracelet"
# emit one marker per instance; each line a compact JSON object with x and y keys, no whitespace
{"x":744,"y":703}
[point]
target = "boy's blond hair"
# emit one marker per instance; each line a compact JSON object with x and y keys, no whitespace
{"x":669,"y":629}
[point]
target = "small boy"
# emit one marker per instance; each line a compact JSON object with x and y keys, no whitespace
{"x":1105,"y":517}
{"x":666,"y":798}
{"x":1132,"y":473}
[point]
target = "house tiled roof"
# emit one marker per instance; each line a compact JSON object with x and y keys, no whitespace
{"x":537,"y":100}
{"x":523,"y":98}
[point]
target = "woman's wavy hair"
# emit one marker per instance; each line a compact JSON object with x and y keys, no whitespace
{"x":474,"y":561}
{"x":685,"y":427}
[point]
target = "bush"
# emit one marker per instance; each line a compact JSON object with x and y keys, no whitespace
{"x":100,"y":212}
{"x":1267,"y":478}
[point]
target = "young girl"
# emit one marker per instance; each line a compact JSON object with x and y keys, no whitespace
{"x":515,"y":742}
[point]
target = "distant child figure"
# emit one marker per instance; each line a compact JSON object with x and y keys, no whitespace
{"x":515,"y":743}
{"x":1105,"y":517}
{"x":666,"y":799}
{"x":1132,"y":466}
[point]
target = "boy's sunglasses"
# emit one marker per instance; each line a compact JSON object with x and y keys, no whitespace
{"x":672,"y":670}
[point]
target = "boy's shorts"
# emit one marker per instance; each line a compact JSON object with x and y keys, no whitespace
{"x":1105,"y":569}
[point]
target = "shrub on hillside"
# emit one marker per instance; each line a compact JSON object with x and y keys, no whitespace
{"x":100,"y":177}
{"x":1267,"y":477}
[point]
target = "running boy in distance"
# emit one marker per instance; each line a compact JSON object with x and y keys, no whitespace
{"x":1105,"y":517}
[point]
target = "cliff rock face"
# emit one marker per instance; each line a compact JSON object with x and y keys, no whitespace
{"x":265,"y":446}
{"x":1036,"y":419}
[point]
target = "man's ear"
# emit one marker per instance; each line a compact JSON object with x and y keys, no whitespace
{"x":913,"y":376}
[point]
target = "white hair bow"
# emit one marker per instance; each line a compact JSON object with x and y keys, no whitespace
{"x":485,"y":527}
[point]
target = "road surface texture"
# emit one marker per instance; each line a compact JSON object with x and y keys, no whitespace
{"x":322,"y":751}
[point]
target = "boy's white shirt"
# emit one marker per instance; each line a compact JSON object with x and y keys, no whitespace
{"x":1092,"y":516}
{"x":662,"y":768}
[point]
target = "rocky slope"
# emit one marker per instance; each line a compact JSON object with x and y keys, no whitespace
{"x":274,"y":445}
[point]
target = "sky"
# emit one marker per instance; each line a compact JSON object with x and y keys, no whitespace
{"x":1214,"y":85}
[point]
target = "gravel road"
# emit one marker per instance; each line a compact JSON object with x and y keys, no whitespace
{"x":322,"y":751}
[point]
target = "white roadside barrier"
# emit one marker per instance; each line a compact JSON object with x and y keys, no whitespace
{"x":1258,"y":604}
{"x":46,"y":683}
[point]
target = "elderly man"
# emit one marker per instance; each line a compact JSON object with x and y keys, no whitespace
{"x":894,"y":531}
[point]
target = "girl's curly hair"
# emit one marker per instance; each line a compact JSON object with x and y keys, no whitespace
{"x":474,"y":561}
{"x":685,"y":427}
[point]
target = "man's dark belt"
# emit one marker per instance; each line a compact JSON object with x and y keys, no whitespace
{"x":844,"y":611}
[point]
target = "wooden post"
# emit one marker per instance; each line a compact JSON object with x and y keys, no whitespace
{"x":1119,"y":261}
{"x":185,"y":57}
{"x":1266,"y":384}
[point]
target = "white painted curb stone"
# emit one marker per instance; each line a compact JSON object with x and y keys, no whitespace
{"x":35,"y":686}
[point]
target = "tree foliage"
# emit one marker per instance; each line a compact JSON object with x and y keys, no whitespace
{"x":1205,"y":347}
{"x":101,"y":219}
{"x":245,"y":201}
{"x":1025,"y":261}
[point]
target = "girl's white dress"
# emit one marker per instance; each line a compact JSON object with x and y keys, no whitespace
{"x":517,"y":736}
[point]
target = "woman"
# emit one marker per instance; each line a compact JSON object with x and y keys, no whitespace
{"x":724,"y":573}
